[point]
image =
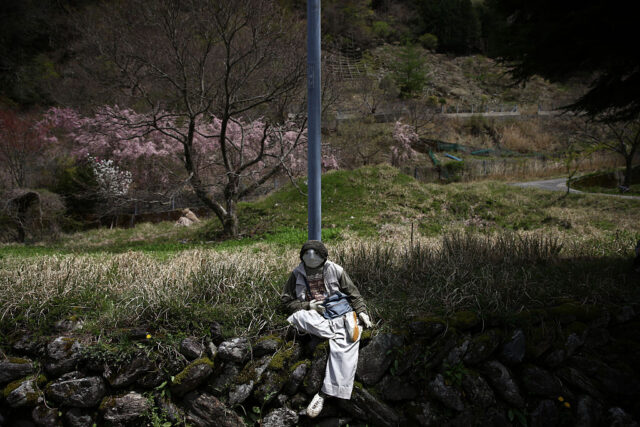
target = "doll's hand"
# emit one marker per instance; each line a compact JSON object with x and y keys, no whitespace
{"x":317,"y":306}
{"x":365,"y":319}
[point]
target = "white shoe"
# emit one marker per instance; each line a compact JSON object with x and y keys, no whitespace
{"x":315,"y":406}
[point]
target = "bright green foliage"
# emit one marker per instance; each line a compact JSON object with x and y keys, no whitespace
{"x":410,"y":74}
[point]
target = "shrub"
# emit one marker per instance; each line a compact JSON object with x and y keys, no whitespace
{"x":429,"y":41}
{"x":31,"y":215}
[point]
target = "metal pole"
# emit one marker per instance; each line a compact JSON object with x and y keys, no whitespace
{"x":314,"y":108}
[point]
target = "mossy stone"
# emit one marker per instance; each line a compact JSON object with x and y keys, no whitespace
{"x":570,"y":312}
{"x":427,"y":326}
{"x":185,"y":372}
{"x":283,"y":357}
{"x":538,"y":340}
{"x":464,"y":320}
{"x":527,"y":318}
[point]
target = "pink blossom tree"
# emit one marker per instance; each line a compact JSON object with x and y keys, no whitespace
{"x":256,"y":151}
{"x":200,"y":74}
{"x":403,"y":136}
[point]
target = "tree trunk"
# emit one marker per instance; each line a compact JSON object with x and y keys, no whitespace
{"x":628,"y":170}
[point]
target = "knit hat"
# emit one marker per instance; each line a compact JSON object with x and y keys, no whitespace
{"x":317,"y":246}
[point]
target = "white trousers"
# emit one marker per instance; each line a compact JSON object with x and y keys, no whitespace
{"x":343,"y":353}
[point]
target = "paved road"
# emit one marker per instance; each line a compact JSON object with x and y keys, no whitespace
{"x":560,"y":184}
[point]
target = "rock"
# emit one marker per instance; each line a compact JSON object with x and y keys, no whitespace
{"x":397,"y":388}
{"x":597,"y":337}
{"x":126,"y":409}
{"x":364,"y":406}
{"x":538,"y":341}
{"x":28,"y":344}
{"x":250,"y":375}
{"x":482,"y":347}
{"x":223,"y":379}
{"x":64,"y":353}
{"x":45,"y":416}
{"x":183,"y":221}
{"x":188,"y":213}
{"x":170,"y":410}
{"x":152,"y":379}
{"x":455,"y":355}
{"x":545,"y":414}
{"x":427,"y":327}
{"x":191,"y":348}
{"x":375,"y":358}
{"x":75,"y":389}
{"x":205,"y":410}
{"x":269,"y":387}
{"x":235,"y":350}
{"x":333,"y":422}
{"x":126,"y":376}
{"x":14,"y":368}
{"x":212,"y":350}
{"x":577,"y":379}
{"x":617,"y":417}
{"x":192,"y":376}
{"x":502,"y":381}
{"x":74,"y":417}
{"x":555,"y":358}
{"x":477,"y":390}
{"x":588,"y":412}
{"x":613,"y":381}
{"x":624,"y":315}
{"x":426,"y":414}
{"x":216,"y":331}
{"x":22,"y":393}
{"x":240,"y":392}
{"x":513,"y":351}
{"x":266,"y":346}
{"x":540,"y":382}
{"x":447,"y":395}
{"x":281,"y":417}
{"x":496,"y":418}
{"x":315,"y":375}
{"x":68,"y":325}
{"x":297,"y":376}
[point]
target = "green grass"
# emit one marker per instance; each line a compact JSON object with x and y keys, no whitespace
{"x":410,"y":247}
{"x":368,"y":202}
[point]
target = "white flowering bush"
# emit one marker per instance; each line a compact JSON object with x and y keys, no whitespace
{"x":112,"y":181}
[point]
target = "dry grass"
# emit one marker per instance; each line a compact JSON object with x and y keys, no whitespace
{"x":492,"y":274}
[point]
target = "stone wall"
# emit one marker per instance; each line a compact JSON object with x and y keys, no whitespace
{"x":562,"y":366}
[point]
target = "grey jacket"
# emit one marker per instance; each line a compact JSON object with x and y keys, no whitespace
{"x":294,"y":295}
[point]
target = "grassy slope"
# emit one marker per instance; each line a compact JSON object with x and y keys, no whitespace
{"x":176,"y":278}
{"x":372,"y":202}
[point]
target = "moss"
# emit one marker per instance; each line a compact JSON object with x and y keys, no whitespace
{"x":18,"y":360}
{"x":527,"y":318}
{"x":358,"y":385}
{"x":321,"y":349}
{"x":107,"y":402}
{"x":298,"y":363}
{"x":366,"y":335}
{"x":41,"y":380}
{"x":282,"y":357}
{"x":464,"y":320}
{"x":248,"y":373}
{"x":569,"y":312}
{"x":185,"y":372}
{"x":12,"y":386}
{"x":276,"y":338}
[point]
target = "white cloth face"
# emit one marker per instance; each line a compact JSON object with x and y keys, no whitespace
{"x":312,"y":259}
{"x":343,"y":353}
